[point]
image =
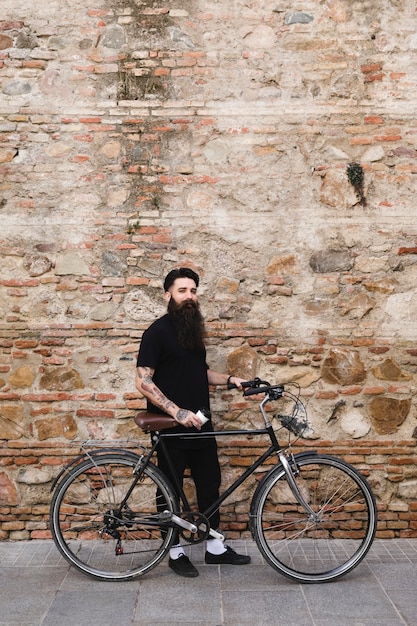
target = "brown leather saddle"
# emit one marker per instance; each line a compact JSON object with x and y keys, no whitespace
{"x":150,"y":422}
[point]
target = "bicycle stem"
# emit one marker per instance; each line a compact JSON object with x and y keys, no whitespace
{"x":263,"y":412}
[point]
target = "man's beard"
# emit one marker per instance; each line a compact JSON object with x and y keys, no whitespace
{"x":188,"y":323}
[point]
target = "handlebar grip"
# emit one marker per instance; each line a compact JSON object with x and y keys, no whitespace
{"x":254,"y":391}
{"x":245,"y":385}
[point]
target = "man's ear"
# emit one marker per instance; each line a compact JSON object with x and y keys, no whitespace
{"x":167,"y":296}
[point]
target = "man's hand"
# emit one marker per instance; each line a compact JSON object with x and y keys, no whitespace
{"x":235,"y":380}
{"x":187,"y":418}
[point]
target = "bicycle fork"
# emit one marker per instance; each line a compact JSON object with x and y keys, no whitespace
{"x":313,"y":516}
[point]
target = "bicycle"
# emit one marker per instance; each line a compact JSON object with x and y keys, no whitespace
{"x":114,"y":514}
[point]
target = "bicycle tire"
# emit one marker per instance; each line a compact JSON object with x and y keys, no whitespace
{"x":82,"y":520}
{"x":314,"y":550}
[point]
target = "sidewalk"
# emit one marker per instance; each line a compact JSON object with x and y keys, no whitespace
{"x":38,"y":588}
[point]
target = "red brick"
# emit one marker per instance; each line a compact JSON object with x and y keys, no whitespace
{"x":388,"y":138}
{"x":373,"y":119}
{"x":370,"y":78}
{"x":360,"y":141}
{"x":374,"y":391}
{"x":371,"y":67}
{"x":404,"y":250}
{"x":95,"y":413}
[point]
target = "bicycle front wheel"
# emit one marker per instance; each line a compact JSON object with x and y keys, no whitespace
{"x":94,"y":534}
{"x":326,"y":542}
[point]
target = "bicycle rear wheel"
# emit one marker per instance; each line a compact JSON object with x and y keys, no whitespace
{"x":91,"y":531}
{"x":320,"y":548}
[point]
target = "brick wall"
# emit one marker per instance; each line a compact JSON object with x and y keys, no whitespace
{"x":135,"y":136}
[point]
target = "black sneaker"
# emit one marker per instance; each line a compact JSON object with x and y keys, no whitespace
{"x":183,"y":567}
{"x":230,"y":557}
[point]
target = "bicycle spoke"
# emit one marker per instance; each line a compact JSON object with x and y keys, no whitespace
{"x":326,"y":544}
{"x":95,"y":535}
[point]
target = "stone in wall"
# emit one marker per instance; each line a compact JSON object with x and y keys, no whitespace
{"x":408,"y":489}
{"x":336,"y":191}
{"x":283,"y":264}
{"x":5,"y":42}
{"x":298,"y":18}
{"x":16,"y":88}
{"x":343,"y":367}
{"x":140,"y":307}
{"x":27,"y":39}
{"x":22,"y":377}
{"x":227,"y":285}
{"x":114,"y":37}
{"x":150,"y":267}
{"x":71,"y":263}
{"x":112,"y":265}
{"x":61,"y":379}
{"x":36,"y":264}
{"x":11,"y":422}
{"x":353,"y":423}
{"x":302,"y":375}
{"x":103,"y":311}
{"x":7,"y":155}
{"x":63,"y":426}
{"x":34,"y":476}
{"x":8,"y":492}
{"x":243,"y":362}
{"x":359,"y":306}
{"x":261,"y":37}
{"x":388,"y":413}
{"x":330,"y":260}
{"x":369,"y":264}
{"x":385,"y":285}
{"x":52,"y":82}
{"x":389,"y":370}
{"x":116,"y":197}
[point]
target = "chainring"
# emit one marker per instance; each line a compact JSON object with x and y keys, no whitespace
{"x":203,"y":527}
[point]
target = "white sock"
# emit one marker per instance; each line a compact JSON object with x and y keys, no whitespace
{"x":175,"y":552}
{"x":215,"y":546}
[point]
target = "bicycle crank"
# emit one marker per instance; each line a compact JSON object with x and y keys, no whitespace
{"x":199,"y":527}
{"x":195,"y":527}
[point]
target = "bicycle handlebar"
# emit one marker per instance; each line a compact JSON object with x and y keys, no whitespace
{"x":291,"y":422}
{"x":256,"y":386}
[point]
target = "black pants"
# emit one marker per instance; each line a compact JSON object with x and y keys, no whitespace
{"x":205,"y":472}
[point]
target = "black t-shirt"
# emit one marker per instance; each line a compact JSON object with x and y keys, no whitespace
{"x":180,"y":374}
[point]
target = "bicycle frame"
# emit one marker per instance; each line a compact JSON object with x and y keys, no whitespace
{"x":160,"y":437}
{"x":158,"y":440}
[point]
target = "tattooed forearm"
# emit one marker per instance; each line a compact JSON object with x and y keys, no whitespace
{"x":158,"y":398}
{"x":145,"y":384}
{"x":147,"y":387}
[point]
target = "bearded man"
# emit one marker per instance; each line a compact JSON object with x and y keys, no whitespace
{"x":173,"y":375}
